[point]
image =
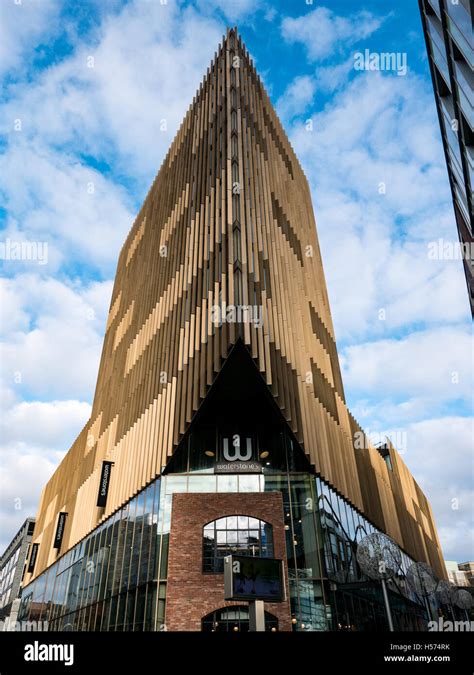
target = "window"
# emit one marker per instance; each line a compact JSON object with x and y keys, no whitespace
{"x":236,"y":208}
{"x":238,"y":287}
{"x":388,"y":462}
{"x":235,"y":172}
{"x":241,"y":535}
{"x":234,"y":145}
{"x":237,"y":245}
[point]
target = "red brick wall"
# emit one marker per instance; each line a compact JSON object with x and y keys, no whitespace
{"x":191,"y":594}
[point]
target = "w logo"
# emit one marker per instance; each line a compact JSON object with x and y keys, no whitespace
{"x":235,"y":454}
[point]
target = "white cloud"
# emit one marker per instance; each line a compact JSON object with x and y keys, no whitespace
{"x":22,"y":27}
{"x":297,"y":97}
{"x":380,"y":196}
{"x":56,"y":352}
{"x":432,"y":363}
{"x":148,"y":62}
{"x":322,"y":32}
{"x":270,"y":13}
{"x":35,"y":436}
{"x":44,"y":424}
{"x":21,"y":481}
{"x":52,"y":339}
{"x":234,"y":10}
{"x":438,"y":453}
{"x":56,"y":199}
{"x":330,"y":78}
{"x":440,"y":457}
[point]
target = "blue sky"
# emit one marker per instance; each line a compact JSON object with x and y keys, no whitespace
{"x":91,"y":82}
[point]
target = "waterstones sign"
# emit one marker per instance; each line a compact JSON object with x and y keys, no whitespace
{"x":104,"y":483}
{"x":238,"y":467}
{"x":60,"y":529}
{"x":33,"y":556}
{"x":234,"y":450}
{"x":238,"y":454}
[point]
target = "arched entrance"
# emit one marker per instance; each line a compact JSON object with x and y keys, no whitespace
{"x":234,"y":619}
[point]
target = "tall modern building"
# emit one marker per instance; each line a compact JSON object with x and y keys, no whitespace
{"x":468,"y":569}
{"x":448,"y":28}
{"x":456,"y":575}
{"x":13,"y":568}
{"x":219,"y":423}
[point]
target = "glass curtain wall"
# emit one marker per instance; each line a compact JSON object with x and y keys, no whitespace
{"x":115,"y":579}
{"x":106,"y":581}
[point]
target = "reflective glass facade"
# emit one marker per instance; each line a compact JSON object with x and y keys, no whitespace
{"x":106,"y":581}
{"x":13,"y":566}
{"x":6,"y":578}
{"x":449,"y":40}
{"x":116,"y":578}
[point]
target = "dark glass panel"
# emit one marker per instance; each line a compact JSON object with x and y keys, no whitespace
{"x":120,"y":549}
{"x":130,"y":611}
{"x":104,"y":624}
{"x":128,"y":546}
{"x":121,"y":606}
{"x":147,"y":534}
{"x":113,"y":613}
{"x":140,"y":608}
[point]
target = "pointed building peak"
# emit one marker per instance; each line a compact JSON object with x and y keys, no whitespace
{"x":232,"y":38}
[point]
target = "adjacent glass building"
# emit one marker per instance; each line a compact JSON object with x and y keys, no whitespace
{"x":13,"y":567}
{"x":448,"y":27}
{"x":219,"y":423}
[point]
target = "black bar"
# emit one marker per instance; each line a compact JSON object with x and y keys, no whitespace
{"x":104,"y":652}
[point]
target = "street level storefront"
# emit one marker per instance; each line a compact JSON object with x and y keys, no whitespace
{"x":129,"y":574}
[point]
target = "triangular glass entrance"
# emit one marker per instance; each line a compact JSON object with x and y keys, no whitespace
{"x":238,"y":427}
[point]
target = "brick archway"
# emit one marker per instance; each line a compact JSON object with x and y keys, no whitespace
{"x":217,"y":621}
{"x":191,"y":594}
